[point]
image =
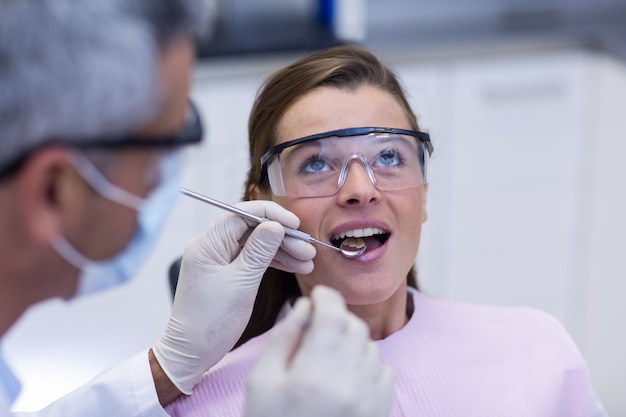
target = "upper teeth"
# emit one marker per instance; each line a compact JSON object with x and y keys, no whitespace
{"x":368,"y":231}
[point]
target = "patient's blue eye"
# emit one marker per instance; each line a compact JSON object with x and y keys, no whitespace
{"x":315,"y":164}
{"x":388,"y":158}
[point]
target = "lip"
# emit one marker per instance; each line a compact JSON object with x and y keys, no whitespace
{"x":363,"y":224}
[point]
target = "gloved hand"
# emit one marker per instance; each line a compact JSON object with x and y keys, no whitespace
{"x":218,"y":283}
{"x":328,"y":367}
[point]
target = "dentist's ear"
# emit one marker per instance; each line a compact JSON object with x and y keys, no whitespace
{"x":48,"y":191}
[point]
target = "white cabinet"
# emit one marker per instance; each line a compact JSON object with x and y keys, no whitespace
{"x":603,"y":310}
{"x":527,"y":198}
{"x":510,"y":161}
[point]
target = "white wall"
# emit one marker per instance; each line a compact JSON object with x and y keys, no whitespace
{"x":525,"y":207}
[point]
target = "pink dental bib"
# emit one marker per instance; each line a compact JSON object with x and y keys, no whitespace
{"x":451,"y":359}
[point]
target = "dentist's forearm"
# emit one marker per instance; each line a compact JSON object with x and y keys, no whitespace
{"x":166,"y":390}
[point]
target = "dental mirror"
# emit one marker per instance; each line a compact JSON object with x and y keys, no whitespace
{"x":350,"y":248}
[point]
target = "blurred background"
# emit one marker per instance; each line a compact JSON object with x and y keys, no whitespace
{"x":525,"y":103}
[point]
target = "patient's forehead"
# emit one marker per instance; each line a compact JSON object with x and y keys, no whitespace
{"x":327,"y":108}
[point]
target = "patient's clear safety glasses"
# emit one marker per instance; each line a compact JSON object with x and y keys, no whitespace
{"x":318,"y":165}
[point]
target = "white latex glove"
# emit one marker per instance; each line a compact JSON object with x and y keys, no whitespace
{"x":328,"y":367}
{"x":218,"y":284}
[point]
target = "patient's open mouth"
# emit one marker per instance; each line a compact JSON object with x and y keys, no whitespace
{"x":372,"y":237}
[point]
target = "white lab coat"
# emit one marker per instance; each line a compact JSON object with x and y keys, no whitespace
{"x":124,"y":390}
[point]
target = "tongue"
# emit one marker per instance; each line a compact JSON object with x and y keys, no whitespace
{"x":371,"y":242}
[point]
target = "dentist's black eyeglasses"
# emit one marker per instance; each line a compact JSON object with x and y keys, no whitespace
{"x":190,"y":133}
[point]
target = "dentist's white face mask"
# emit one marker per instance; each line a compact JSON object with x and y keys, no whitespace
{"x":152,"y":212}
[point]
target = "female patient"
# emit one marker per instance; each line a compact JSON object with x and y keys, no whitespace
{"x":334,"y":140}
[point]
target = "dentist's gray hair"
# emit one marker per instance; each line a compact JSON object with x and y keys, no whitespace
{"x":77,"y":69}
